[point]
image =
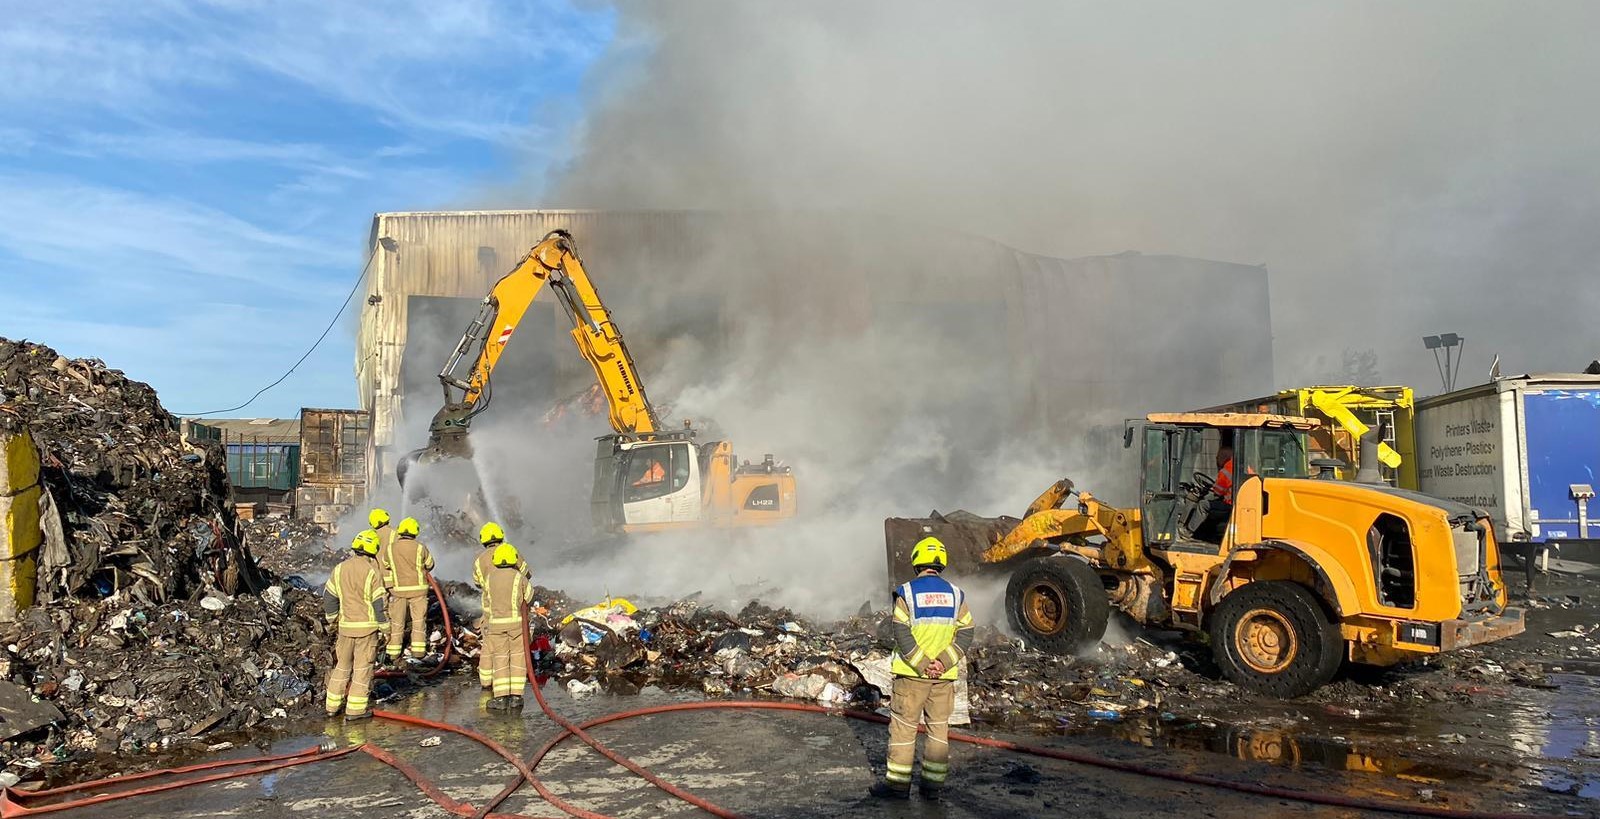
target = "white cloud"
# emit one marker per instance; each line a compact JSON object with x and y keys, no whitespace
{"x":120,"y":238}
{"x":460,"y":69}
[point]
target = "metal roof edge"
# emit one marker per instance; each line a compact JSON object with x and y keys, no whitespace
{"x":1511,"y":382}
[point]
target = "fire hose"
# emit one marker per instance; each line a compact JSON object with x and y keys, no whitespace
{"x":449,"y":639}
{"x":11,"y":802}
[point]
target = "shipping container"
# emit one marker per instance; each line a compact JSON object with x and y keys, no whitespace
{"x":263,"y":453}
{"x":1525,"y":448}
{"x":1347,"y":412}
{"x":333,"y":457}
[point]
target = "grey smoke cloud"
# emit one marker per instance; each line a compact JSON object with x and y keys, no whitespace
{"x":1401,"y":168}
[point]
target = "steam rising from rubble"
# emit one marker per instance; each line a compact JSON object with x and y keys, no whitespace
{"x":1401,"y":170}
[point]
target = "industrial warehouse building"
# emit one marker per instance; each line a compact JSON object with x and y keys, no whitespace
{"x":1060,"y":346}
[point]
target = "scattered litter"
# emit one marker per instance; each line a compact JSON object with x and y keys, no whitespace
{"x":212,"y":603}
{"x":579,"y":687}
{"x":432,"y":742}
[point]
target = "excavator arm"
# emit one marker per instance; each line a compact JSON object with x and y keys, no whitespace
{"x":554,"y":263}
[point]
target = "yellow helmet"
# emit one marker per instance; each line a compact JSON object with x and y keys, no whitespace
{"x":366,"y":543}
{"x":408,"y":527}
{"x":378,"y":518}
{"x":505,"y":556}
{"x":929,"y":551}
{"x":491,"y":533}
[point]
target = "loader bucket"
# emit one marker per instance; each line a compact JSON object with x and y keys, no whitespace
{"x":966,"y":537}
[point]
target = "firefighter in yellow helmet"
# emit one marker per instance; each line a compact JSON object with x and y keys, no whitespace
{"x":491,"y":536}
{"x":353,"y":600}
{"x":406,"y":564}
{"x":932,"y":631}
{"x":506,"y":594}
{"x":378,"y":522}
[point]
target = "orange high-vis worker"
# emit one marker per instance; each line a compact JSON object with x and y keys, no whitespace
{"x":1224,"y":483}
{"x":655,"y":474}
{"x":406,"y":564}
{"x":353,"y":599}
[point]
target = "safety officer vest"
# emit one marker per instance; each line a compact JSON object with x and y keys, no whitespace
{"x":505,"y":590}
{"x":358,"y":584}
{"x":934,"y":604}
{"x":408,"y":560}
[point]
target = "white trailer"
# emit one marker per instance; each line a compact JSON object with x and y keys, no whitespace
{"x":1524,"y":448}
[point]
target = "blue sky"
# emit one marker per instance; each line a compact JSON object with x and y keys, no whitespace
{"x":186,"y":187}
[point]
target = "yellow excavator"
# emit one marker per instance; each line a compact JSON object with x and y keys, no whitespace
{"x":646,"y":478}
{"x":1241,"y":537}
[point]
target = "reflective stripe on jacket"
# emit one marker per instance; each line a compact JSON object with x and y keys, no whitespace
{"x":408,"y":563}
{"x":358,"y":585}
{"x":505,"y":594}
{"x":934,"y":609}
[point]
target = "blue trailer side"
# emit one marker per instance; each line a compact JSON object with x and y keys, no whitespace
{"x":1562,"y":450}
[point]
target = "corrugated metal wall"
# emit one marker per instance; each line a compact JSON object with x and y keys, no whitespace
{"x":1111,"y":334}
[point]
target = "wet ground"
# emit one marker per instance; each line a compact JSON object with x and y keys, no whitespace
{"x":1514,"y":726}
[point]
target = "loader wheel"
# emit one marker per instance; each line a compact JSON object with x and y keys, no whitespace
{"x":1273,"y":637}
{"x":1057,"y":604}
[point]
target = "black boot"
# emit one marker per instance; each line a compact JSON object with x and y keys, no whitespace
{"x":888,"y":790}
{"x":497,"y":703}
{"x":514,"y":702}
{"x":349,"y":717}
{"x":929,"y":791}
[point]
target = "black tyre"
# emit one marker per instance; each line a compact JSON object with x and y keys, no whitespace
{"x":1057,"y":604}
{"x":1273,"y":637}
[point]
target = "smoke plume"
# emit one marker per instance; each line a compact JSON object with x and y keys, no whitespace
{"x":1400,"y":169}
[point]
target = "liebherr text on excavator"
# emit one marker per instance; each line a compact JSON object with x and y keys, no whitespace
{"x":646,"y":478}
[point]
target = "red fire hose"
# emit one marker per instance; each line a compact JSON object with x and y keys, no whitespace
{"x":9,"y":806}
{"x":449,"y":639}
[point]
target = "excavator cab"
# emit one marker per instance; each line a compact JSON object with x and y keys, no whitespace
{"x":646,"y":484}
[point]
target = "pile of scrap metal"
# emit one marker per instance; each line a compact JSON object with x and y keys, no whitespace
{"x":128,"y":677}
{"x":130,"y":507}
{"x":288,"y":545}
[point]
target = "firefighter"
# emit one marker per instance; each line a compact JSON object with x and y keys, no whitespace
{"x":353,"y":600}
{"x":406,"y":567}
{"x":506,"y":594}
{"x":932,"y":630}
{"x":378,"y":522}
{"x":491,"y":536}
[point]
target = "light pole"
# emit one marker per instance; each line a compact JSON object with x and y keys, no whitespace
{"x":1450,"y":364}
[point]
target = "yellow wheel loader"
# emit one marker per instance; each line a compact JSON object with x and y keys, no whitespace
{"x":1240,"y":537}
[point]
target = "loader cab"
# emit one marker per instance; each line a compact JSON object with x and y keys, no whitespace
{"x":1180,"y":507}
{"x":646,"y":483}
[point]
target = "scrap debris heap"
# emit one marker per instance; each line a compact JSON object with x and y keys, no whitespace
{"x":152,"y":624}
{"x":131,"y":507}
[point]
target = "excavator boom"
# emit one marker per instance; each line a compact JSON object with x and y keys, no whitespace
{"x":646,"y":478}
{"x":553,"y":262}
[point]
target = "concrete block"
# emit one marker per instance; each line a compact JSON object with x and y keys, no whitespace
{"x":19,"y":523}
{"x":19,"y":462}
{"x":18,"y":577}
{"x":20,"y":534}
